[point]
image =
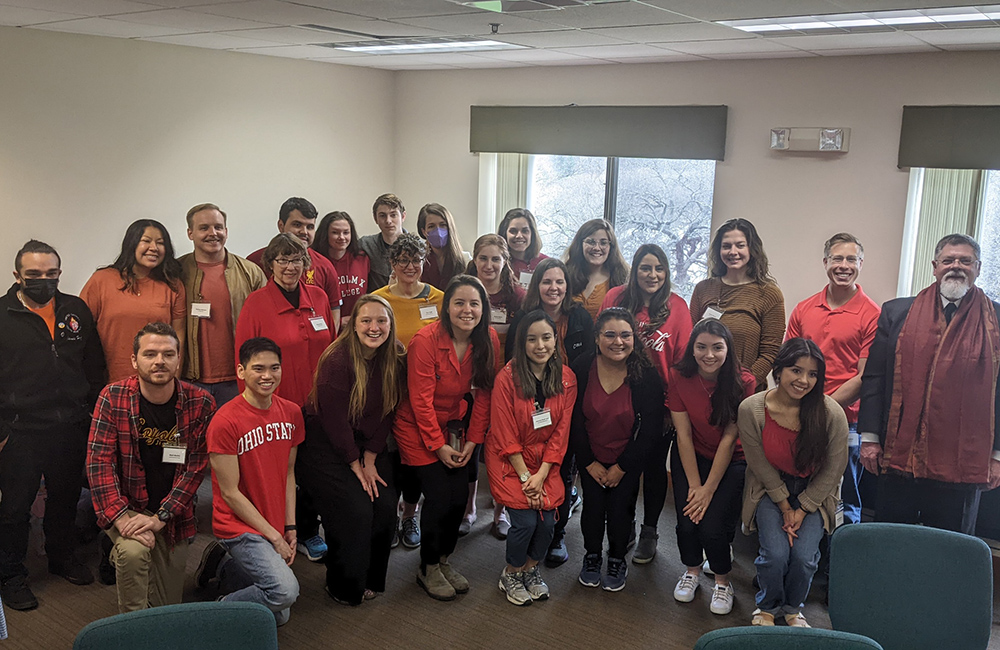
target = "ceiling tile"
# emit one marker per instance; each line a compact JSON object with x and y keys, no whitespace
{"x":560,"y":38}
{"x":211,"y":41}
{"x":277,"y":12}
{"x":816,"y":42}
{"x":615,"y":51}
{"x":976,"y":36}
{"x":293,"y":35}
{"x":693,"y":32}
{"x":616,"y":14}
{"x":20,"y":16}
{"x":478,"y":24}
{"x":738,"y":46}
{"x":391,"y":8}
{"x":109,"y":27}
{"x":731,"y":10}
{"x":667,"y":57}
{"x":646,"y":33}
{"x":530,"y":56}
{"x":175,"y":4}
{"x":189,"y":21}
{"x":494,"y":63}
{"x":82,"y":7}
{"x":888,"y":5}
{"x":288,"y":51}
{"x":788,"y":54}
{"x":868,"y":51}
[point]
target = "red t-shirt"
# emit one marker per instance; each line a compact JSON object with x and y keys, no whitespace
{"x":525,"y":266}
{"x":844,"y":335}
{"x":502,"y":312}
{"x":320,"y":274}
{"x":780,"y":445}
{"x":693,"y":395}
{"x":216,"y":340}
{"x":352,"y":274}
{"x":262,"y":440}
{"x":609,"y":419}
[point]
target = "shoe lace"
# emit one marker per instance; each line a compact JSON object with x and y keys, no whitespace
{"x":315,"y":540}
{"x":721,"y":594}
{"x":615,"y":569}
{"x":592,"y":562}
{"x":532,"y":578}
{"x":409,"y":525}
{"x":688,"y":581}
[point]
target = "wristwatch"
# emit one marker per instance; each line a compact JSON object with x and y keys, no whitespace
{"x":163,"y":515}
{"x":524,"y":477}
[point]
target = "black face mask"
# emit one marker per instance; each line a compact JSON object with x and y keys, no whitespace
{"x":40,"y":290}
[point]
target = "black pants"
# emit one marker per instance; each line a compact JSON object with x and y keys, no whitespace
{"x":906,"y":500}
{"x":715,"y":532}
{"x":59,"y":455}
{"x":406,"y":479}
{"x":358,"y":530}
{"x":567,"y":472}
{"x":616,"y":506}
{"x":654,"y":479}
{"x":446,"y":491}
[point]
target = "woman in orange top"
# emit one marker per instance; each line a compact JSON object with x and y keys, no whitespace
{"x":532,"y":407}
{"x":595,"y":264}
{"x":437,"y":432}
{"x":142,"y":286}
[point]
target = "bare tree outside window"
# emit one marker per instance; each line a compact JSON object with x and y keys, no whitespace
{"x":989,"y":237}
{"x":566,"y":191}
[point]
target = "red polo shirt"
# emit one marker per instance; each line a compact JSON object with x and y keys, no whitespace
{"x":844,"y":335}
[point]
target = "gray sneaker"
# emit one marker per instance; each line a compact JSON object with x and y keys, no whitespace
{"x":512,"y":584}
{"x":645,"y":550}
{"x":534,"y":584}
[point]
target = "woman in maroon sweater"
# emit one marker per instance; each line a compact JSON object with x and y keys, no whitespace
{"x":343,"y":462}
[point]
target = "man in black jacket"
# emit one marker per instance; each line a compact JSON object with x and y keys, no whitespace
{"x":51,"y":369}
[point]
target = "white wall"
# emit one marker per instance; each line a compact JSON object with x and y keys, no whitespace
{"x":97,"y":132}
{"x":796,"y":200}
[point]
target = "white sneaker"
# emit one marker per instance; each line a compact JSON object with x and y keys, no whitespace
{"x":686,"y":586}
{"x":722,"y":599}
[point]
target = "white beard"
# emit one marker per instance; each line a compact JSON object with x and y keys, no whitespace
{"x":954,"y":288}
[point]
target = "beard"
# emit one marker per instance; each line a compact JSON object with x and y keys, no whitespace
{"x":954,"y":286}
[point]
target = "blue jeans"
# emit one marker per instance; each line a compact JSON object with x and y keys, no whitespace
{"x":785,"y":573}
{"x":222,"y":391}
{"x":255,"y":573}
{"x":529,"y":536}
{"x":852,"y":477}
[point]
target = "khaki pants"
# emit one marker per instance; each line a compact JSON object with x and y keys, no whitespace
{"x":147,"y":577}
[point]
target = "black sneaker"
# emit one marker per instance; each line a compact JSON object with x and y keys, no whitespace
{"x":105,"y":571}
{"x":16,"y":594}
{"x":557,"y":555}
{"x":74,"y":572}
{"x":208,"y":568}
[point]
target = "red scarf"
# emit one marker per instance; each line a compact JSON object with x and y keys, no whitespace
{"x":942,"y":412}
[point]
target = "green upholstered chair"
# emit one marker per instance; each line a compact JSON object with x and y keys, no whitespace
{"x":911,"y":587}
{"x":783,"y":638}
{"x":191,"y":626}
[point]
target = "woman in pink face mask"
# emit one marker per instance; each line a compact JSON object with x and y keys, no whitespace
{"x":446,"y":258}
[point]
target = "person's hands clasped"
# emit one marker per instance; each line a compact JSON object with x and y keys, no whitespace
{"x":697,"y":502}
{"x":597,"y":472}
{"x":613,"y":476}
{"x":283,"y":548}
{"x":449,"y":456}
{"x":793,"y":519}
{"x":533,"y":486}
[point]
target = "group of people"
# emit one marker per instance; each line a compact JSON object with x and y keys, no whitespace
{"x":360,"y":382}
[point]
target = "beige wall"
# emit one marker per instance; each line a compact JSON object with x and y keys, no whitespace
{"x":796,"y":200}
{"x":97,"y":132}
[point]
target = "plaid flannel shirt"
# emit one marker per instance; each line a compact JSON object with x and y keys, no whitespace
{"x":114,"y":466}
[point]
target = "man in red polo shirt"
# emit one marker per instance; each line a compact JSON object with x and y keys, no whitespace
{"x":298,"y":217}
{"x":842,"y":320}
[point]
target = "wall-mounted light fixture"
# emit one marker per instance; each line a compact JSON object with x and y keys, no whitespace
{"x":800,"y":138}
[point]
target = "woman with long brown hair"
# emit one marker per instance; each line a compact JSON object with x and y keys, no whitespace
{"x":445,"y":259}
{"x":519,"y":229}
{"x":595,"y":264}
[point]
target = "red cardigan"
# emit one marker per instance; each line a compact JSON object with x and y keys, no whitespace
{"x":437,"y":385}
{"x":513,"y":431}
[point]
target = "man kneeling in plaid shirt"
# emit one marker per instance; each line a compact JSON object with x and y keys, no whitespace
{"x":146,"y":459}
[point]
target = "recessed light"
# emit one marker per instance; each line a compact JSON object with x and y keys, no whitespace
{"x":865,"y":20}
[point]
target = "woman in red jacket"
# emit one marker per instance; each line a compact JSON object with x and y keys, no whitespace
{"x":435,"y":428}
{"x":532,"y":408}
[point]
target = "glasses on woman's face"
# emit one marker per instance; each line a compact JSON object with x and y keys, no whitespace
{"x":285,"y":262}
{"x":597,"y":243}
{"x":407,"y":262}
{"x":611,"y":335}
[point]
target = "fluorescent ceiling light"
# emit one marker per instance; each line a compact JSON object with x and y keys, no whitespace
{"x":423,"y":46}
{"x":868,"y":19}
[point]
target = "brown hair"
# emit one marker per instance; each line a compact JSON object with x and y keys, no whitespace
{"x":535,"y":247}
{"x":390,"y":200}
{"x":203,"y":206}
{"x":454,"y":262}
{"x":578,"y":267}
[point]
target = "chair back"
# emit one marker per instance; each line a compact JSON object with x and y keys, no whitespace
{"x":911,"y":587}
{"x":191,"y":626}
{"x":783,"y":638}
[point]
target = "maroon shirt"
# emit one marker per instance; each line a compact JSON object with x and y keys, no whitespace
{"x":693,"y":395}
{"x":780,"y":444}
{"x":609,"y":419}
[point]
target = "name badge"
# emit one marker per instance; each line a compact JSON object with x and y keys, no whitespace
{"x":541,"y":418}
{"x":174,"y":454}
{"x":318,"y":323}
{"x":853,"y":439}
{"x":711,"y":312}
{"x":498,"y":316}
{"x":201,"y":309}
{"x":525,"y":278}
{"x":428,"y":312}
{"x":838,"y":518}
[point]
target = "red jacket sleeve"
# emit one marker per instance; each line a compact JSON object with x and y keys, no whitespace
{"x":247,"y":326}
{"x":102,"y":461}
{"x":421,"y":376}
{"x":504,"y":423}
{"x":480,"y":421}
{"x":558,"y":442}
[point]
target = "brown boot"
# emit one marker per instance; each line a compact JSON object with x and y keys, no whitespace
{"x":456,"y":579}
{"x":435,"y":584}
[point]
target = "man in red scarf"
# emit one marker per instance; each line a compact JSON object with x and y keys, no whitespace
{"x":929,"y":397}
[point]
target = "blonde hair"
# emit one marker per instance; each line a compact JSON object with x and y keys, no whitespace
{"x":389,"y":358}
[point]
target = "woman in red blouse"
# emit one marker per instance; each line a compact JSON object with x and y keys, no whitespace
{"x":532,"y":407}
{"x":707,"y":466}
{"x":795,"y":441}
{"x":343,"y":462}
{"x":437,"y":431}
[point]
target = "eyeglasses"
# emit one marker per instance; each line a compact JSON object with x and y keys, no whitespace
{"x":611,"y":335}
{"x":597,"y":243}
{"x":409,"y":262}
{"x":961,"y":261}
{"x":285,"y":262}
{"x":840,"y":259}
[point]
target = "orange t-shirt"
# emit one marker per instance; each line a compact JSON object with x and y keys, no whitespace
{"x":121,"y":314}
{"x":48,"y":314}
{"x":592,"y":303}
{"x":216,"y":334}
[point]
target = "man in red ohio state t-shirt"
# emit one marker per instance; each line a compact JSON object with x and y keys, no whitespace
{"x":252,"y":442}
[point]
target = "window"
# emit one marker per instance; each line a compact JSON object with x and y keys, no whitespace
{"x":661,"y":201}
{"x":989,"y":235}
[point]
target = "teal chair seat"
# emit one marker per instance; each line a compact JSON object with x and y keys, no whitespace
{"x":783,"y":638}
{"x":190,"y":626}
{"x":911,"y":587}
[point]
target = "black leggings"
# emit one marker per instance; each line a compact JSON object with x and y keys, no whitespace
{"x":654,"y":478}
{"x":715,"y":532}
{"x":616,"y":506}
{"x":446,"y":491}
{"x":405,"y":478}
